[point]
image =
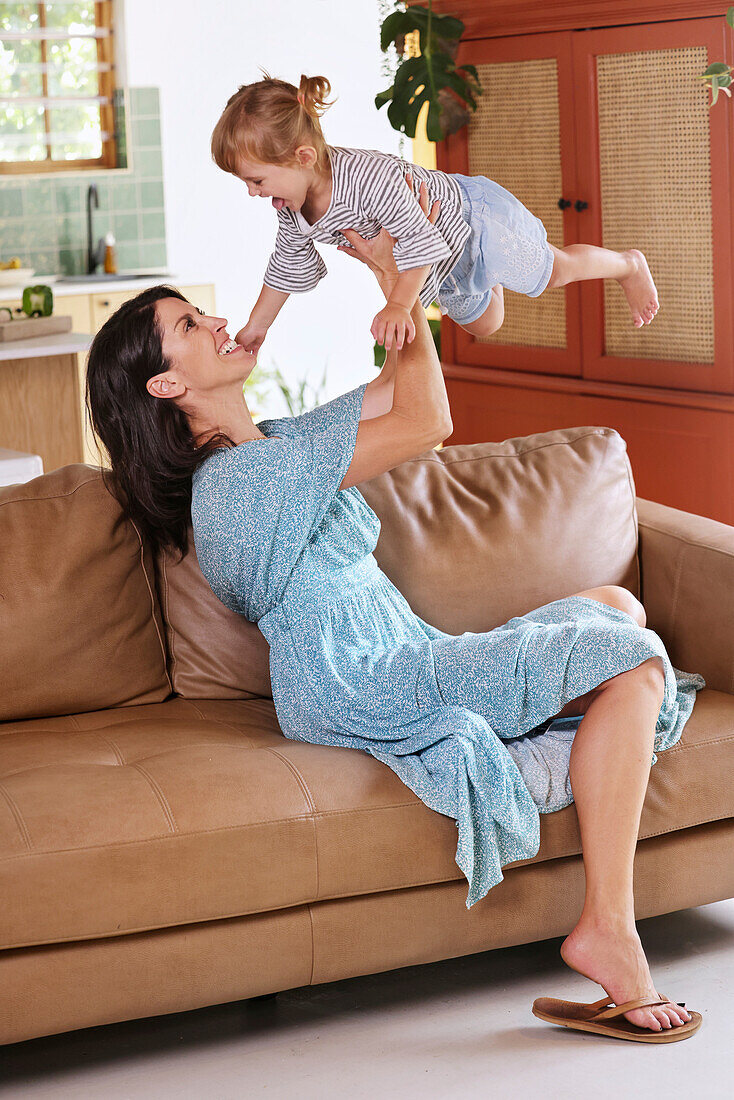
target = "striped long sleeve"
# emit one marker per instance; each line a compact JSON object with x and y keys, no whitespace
{"x":390,"y":202}
{"x":295,"y":264}
{"x":368,"y":193}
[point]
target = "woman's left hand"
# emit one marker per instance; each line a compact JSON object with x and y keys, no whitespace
{"x":378,"y":252}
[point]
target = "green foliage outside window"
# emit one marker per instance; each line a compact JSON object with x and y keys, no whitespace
{"x":71,"y":73}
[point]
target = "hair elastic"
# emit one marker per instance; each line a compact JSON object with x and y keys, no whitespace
{"x":299,"y":97}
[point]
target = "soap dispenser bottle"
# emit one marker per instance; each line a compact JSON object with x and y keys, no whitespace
{"x":110,"y":256}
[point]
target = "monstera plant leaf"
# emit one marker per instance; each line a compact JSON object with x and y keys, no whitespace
{"x":719,"y":76}
{"x":431,"y":78}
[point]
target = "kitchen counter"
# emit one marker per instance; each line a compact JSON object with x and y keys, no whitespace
{"x":99,"y":286}
{"x":60,"y":343}
{"x":43,"y":379}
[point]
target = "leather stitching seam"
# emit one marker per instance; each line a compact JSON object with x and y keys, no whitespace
{"x":698,"y":545}
{"x":161,"y":640}
{"x":311,"y":806}
{"x":165,"y":805}
{"x":518,"y":454}
{"x":115,"y":749}
{"x":166,"y":605}
{"x":15,"y":811}
{"x":294,"y":818}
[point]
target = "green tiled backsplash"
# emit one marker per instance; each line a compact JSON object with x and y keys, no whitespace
{"x":43,"y":219}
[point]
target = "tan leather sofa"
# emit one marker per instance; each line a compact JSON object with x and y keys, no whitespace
{"x":163,"y":846}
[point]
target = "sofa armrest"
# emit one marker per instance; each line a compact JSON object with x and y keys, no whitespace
{"x":687,"y":566}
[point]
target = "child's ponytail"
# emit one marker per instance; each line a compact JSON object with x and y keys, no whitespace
{"x":266,"y":122}
{"x":312,"y":93}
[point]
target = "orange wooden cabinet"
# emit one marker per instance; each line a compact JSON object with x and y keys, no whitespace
{"x":606,"y":134}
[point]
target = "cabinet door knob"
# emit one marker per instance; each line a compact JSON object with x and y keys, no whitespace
{"x":580,"y":205}
{"x":105,"y":304}
{"x":563,"y":204}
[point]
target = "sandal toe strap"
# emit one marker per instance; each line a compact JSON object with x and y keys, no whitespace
{"x":628,"y":1006}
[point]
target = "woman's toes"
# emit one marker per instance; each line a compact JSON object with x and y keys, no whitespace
{"x":662,"y":1017}
{"x":643,"y":1017}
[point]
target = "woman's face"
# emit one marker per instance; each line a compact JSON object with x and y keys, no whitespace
{"x":204,"y":359}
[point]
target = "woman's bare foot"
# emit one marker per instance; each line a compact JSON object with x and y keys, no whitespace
{"x":612,"y":955}
{"x":639,"y":289}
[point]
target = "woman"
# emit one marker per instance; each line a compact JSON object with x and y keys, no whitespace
{"x":284,"y":536}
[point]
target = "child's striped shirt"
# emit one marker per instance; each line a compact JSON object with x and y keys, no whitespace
{"x":369,"y":192}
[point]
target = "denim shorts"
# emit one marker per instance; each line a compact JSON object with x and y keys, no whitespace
{"x":507,"y":245}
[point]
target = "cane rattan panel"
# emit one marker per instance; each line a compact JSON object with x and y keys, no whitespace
{"x":513,"y":138}
{"x":656,"y":196}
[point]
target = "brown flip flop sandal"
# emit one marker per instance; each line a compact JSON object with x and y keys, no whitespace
{"x":597,"y":1018}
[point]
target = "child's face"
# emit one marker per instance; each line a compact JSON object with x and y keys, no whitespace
{"x":285,"y":186}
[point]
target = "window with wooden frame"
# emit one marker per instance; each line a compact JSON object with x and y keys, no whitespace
{"x":56,"y":86}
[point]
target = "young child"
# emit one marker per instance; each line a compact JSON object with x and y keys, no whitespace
{"x":484,"y":239}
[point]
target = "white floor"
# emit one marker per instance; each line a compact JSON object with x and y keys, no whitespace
{"x":460,"y":1028}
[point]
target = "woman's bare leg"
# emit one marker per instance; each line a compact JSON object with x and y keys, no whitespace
{"x":609,"y":770}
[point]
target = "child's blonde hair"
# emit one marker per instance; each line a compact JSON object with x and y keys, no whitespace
{"x":265,"y":122}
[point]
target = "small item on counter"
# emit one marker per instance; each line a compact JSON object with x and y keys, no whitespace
{"x":30,"y":328}
{"x":38,"y":301}
{"x":110,"y":256}
{"x":4,"y":310}
{"x":14,"y":262}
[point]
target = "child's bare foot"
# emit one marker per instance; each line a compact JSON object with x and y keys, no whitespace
{"x":639,"y":289}
{"x":612,"y":955}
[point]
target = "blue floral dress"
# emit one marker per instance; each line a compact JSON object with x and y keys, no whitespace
{"x":464,"y":721}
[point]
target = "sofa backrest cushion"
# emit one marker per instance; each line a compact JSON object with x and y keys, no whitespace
{"x":471,"y":535}
{"x":80,"y":625}
{"x":213,"y":653}
{"x":477,"y":533}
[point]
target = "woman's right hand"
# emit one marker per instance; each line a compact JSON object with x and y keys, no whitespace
{"x":378,"y":252}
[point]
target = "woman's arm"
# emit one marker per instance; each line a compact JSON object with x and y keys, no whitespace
{"x":378,"y":255}
{"x":418,"y":417}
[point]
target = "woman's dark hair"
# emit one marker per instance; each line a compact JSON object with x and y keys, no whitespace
{"x":149,"y":440}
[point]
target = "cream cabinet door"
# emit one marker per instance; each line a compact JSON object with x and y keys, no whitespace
{"x":201,"y":296}
{"x":103,"y":305}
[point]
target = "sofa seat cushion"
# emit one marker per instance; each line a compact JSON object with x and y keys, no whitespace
{"x":134,"y":818}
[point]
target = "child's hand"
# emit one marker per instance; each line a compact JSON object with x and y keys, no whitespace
{"x":251,"y":337}
{"x":392,"y":325}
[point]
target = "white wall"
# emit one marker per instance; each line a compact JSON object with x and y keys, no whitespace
{"x":198,"y":52}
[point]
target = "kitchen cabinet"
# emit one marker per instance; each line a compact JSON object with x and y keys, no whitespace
{"x":39,"y":398}
{"x":42,"y":407}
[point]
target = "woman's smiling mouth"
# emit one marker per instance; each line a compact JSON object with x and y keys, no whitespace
{"x":228,"y":347}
